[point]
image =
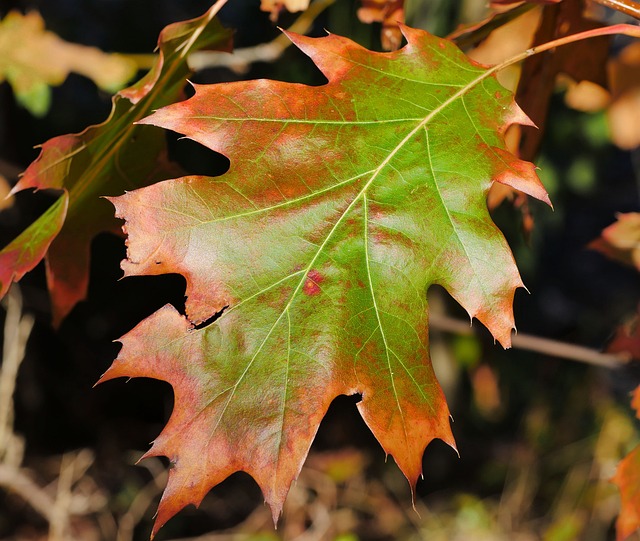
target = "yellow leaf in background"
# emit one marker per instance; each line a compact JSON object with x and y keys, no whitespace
{"x":388,"y":12}
{"x":275,"y":6}
{"x":32,"y":59}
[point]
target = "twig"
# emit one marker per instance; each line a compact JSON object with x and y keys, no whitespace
{"x":59,"y":519}
{"x":17,"y":328}
{"x":241,"y":59}
{"x":628,"y":7}
{"x":545,"y":346}
{"x":141,"y":503}
{"x":16,"y":481}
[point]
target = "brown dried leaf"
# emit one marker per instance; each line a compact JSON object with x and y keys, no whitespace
{"x":584,"y":60}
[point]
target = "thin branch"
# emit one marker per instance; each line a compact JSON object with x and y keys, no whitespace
{"x":186,"y":48}
{"x":241,"y":59}
{"x":17,"y":328}
{"x":16,"y":481}
{"x":628,"y":7}
{"x":616,"y":29}
{"x":59,"y":518}
{"x":545,"y":346}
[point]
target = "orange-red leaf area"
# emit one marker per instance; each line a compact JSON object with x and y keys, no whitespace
{"x":342,"y":205}
{"x":627,"y":478}
{"x":626,"y":339}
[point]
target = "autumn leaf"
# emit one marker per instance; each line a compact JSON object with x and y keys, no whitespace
{"x":342,"y":205}
{"x":106,"y":159}
{"x":32,"y":59}
{"x":627,"y":478}
{"x":580,"y":61}
{"x":626,"y":339}
{"x":621,"y":240}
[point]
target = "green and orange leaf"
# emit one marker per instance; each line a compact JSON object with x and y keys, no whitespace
{"x":308,"y":263}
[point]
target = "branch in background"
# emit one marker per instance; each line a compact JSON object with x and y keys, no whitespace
{"x":241,"y":59}
{"x":17,"y":328}
{"x":628,"y":7}
{"x":544,"y":346}
{"x":17,"y":482}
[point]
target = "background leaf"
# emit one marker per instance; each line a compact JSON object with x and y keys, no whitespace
{"x":33,"y":59}
{"x":106,"y":159}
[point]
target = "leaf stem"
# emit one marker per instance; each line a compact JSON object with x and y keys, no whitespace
{"x":628,"y":7}
{"x":617,"y":29}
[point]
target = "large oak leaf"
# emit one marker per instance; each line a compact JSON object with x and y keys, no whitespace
{"x":342,"y":205}
{"x":106,"y":159}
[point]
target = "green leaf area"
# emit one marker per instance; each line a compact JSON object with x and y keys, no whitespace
{"x":106,"y":159}
{"x":342,"y":205}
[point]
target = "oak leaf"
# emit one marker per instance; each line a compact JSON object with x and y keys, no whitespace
{"x":307,"y":264}
{"x":621,"y":242}
{"x":105,"y":159}
{"x":32,"y":59}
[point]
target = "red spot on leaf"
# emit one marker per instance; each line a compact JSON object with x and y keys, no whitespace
{"x":311,"y":286}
